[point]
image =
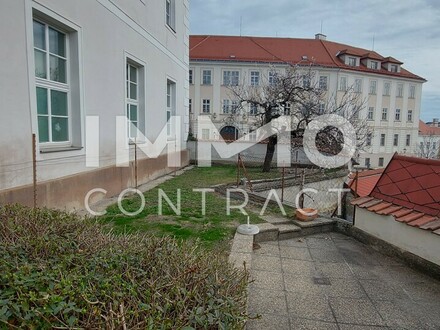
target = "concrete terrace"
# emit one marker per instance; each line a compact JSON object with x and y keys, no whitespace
{"x":332,"y":281}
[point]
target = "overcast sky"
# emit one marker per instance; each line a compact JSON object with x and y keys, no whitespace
{"x":408,"y":30}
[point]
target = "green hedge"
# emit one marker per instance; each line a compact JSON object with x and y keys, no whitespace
{"x":58,"y":270}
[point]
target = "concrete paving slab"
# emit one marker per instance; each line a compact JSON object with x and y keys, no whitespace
{"x":300,"y":267}
{"x":267,"y":280}
{"x":325,"y":255}
{"x":269,"y":263}
{"x":267,"y":249}
{"x":267,"y":302}
{"x":356,"y":311}
{"x":334,"y":270}
{"x":297,"y":242}
{"x":309,"y":306}
{"x":297,"y":253}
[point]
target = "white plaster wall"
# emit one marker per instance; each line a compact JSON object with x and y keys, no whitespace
{"x":109,"y":30}
{"x":420,"y":242}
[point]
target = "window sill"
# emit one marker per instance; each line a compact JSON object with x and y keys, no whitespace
{"x":48,"y":150}
{"x":173,"y":31}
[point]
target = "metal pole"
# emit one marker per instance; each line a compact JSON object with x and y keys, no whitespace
{"x":34,"y":168}
{"x":238,"y":170}
{"x":282,"y":184}
{"x":135,"y":165}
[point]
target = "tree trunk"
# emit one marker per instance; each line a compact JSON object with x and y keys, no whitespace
{"x":269,"y":153}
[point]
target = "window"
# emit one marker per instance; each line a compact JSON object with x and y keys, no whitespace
{"x":206,"y":77}
{"x":412,"y":92}
{"x":171,"y":105}
{"x":394,"y":68}
{"x":343,"y":84}
{"x":367,"y":162}
{"x":205,"y":133}
{"x":352,"y":61}
{"x":381,"y":162}
{"x":170,"y":13}
{"x":370,"y":115}
{"x":321,"y":108}
{"x":52,"y":86}
{"x":369,"y":138}
{"x":409,"y":116}
{"x":373,"y":85}
{"x":358,"y":85}
{"x":386,"y":88}
{"x":382,"y":140}
{"x":191,"y":76}
{"x":231,"y":78}
{"x":190,"y":105}
{"x":226,"y":106}
{"x":384,"y":113}
{"x":408,"y":140}
{"x":206,"y":106}
{"x":399,"y":90}
{"x":287,"y":109}
{"x":273,"y":77}
{"x":306,"y":81}
{"x":132,"y":95}
{"x":397,"y":115}
{"x":323,"y":82}
{"x":374,"y":65}
{"x":255,"y":78}
{"x":396,"y":140}
{"x":253,"y":109}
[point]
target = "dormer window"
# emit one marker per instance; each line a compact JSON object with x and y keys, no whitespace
{"x":374,"y":65}
{"x":394,"y":68}
{"x":352,"y":61}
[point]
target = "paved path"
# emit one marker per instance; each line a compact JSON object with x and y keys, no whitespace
{"x":331,"y":281}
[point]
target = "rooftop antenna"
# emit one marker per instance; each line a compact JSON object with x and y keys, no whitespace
{"x":373,"y":41}
{"x":241,"y":23}
{"x":321,"y":26}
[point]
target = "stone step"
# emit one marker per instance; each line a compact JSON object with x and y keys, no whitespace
{"x":276,"y":220}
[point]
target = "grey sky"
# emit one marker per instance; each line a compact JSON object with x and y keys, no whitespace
{"x":408,"y":30}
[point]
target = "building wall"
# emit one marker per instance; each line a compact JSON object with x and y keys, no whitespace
{"x":420,"y":242}
{"x":103,"y":35}
{"x":217,"y":93}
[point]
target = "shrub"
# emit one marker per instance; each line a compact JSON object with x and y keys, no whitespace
{"x":58,"y":270}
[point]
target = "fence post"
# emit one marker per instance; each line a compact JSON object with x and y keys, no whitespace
{"x":34,"y":168}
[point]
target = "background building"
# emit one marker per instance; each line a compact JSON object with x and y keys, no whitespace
{"x":391,"y":93}
{"x":65,"y":60}
{"x":429,"y":140}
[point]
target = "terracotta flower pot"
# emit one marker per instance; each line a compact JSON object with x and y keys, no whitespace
{"x":306,"y":214}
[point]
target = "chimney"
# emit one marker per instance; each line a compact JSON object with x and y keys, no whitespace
{"x":320,"y":36}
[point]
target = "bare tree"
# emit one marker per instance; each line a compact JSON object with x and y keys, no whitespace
{"x":295,"y":92}
{"x":429,"y":147}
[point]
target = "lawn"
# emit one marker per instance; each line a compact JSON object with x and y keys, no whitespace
{"x":215,"y":226}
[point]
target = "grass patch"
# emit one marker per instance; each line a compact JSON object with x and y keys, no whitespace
{"x":210,"y":228}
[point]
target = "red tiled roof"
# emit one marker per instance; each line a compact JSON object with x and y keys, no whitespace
{"x":283,"y":50}
{"x":408,"y":190}
{"x":425,"y":129}
{"x":365,"y":182}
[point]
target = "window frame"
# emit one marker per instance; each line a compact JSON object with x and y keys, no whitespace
{"x":130,"y":101}
{"x":252,"y":77}
{"x":408,"y":140}
{"x":395,"y":140}
{"x":53,"y":85}
{"x":381,"y":162}
{"x":170,"y":18}
{"x":372,"y":90}
{"x":398,"y":115}
{"x":357,"y":85}
{"x":386,"y":88}
{"x":171,"y":107}
{"x":191,"y":76}
{"x":342,"y":87}
{"x":399,"y":90}
{"x":323,"y":86}
{"x":382,"y":140}
{"x":412,"y":91}
{"x":204,"y":82}
{"x":384,"y":116}
{"x":206,"y":103}
{"x":230,"y":76}
{"x":370,"y":111}
{"x":409,"y":116}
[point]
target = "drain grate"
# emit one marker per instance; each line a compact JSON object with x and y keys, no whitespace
{"x":321,"y":281}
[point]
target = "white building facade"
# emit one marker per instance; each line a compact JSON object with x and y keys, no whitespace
{"x":64,"y":61}
{"x":391,"y":94}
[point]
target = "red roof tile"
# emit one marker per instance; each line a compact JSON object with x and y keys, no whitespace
{"x":365,"y":182}
{"x":408,"y":190}
{"x":282,"y":50}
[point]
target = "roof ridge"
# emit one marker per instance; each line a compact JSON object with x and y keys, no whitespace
{"x":328,"y":52}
